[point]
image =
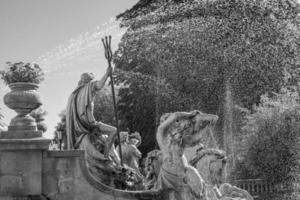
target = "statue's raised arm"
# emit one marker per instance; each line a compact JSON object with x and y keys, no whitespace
{"x":166,"y":121}
{"x":100,"y":83}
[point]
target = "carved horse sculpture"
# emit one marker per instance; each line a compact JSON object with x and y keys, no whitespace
{"x":176,"y":132}
{"x":211,"y":164}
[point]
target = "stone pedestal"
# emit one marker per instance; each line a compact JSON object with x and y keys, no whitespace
{"x":21,"y":166}
{"x":22,"y":146}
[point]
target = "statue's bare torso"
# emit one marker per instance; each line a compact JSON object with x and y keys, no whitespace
{"x":176,"y":132}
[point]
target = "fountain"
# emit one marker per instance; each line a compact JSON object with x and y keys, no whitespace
{"x":30,"y":171}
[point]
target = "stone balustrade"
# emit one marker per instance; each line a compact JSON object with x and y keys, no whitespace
{"x":256,"y":187}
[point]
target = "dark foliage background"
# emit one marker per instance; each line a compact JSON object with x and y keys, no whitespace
{"x":270,"y":149}
{"x":181,"y":55}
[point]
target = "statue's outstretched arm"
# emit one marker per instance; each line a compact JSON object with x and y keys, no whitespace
{"x":100,"y":83}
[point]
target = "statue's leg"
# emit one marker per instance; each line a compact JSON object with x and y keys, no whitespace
{"x":195,"y":182}
{"x":111,"y":133}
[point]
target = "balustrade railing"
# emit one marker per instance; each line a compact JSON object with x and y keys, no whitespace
{"x":256,"y":187}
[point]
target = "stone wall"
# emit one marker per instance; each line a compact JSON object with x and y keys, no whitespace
{"x":30,"y":172}
{"x":65,"y":177}
{"x":13,"y":180}
{"x":21,"y":167}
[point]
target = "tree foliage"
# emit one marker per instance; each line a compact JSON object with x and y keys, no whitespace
{"x":194,"y":47}
{"x":138,"y":104}
{"x":271,"y":149}
{"x":60,"y":128}
{"x":103,"y":106}
{"x":39,"y":116}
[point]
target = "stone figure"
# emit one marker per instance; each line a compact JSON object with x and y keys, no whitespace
{"x":176,"y":132}
{"x":84,"y":132}
{"x":153,"y":164}
{"x":130,"y":152}
{"x":211,"y":164}
{"x":134,"y":141}
{"x":106,"y":171}
{"x":79,"y":117}
{"x":131,"y":156}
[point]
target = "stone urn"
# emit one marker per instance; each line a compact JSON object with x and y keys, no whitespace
{"x":23,"y":98}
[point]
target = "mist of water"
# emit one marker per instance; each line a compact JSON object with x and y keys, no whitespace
{"x":82,"y":49}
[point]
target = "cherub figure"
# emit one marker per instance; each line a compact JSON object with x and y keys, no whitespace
{"x":130,"y":152}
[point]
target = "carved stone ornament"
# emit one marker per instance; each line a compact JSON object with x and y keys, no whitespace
{"x":23,"y":98}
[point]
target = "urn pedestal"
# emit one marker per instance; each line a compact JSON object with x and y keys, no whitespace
{"x":22,"y":146}
{"x":23,"y":98}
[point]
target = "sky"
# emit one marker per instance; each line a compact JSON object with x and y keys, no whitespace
{"x":64,"y":38}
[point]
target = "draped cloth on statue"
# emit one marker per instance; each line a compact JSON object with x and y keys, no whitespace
{"x":80,"y":120}
{"x":168,"y":180}
{"x":179,"y":184}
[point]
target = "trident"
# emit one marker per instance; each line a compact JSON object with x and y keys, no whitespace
{"x":108,"y":56}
